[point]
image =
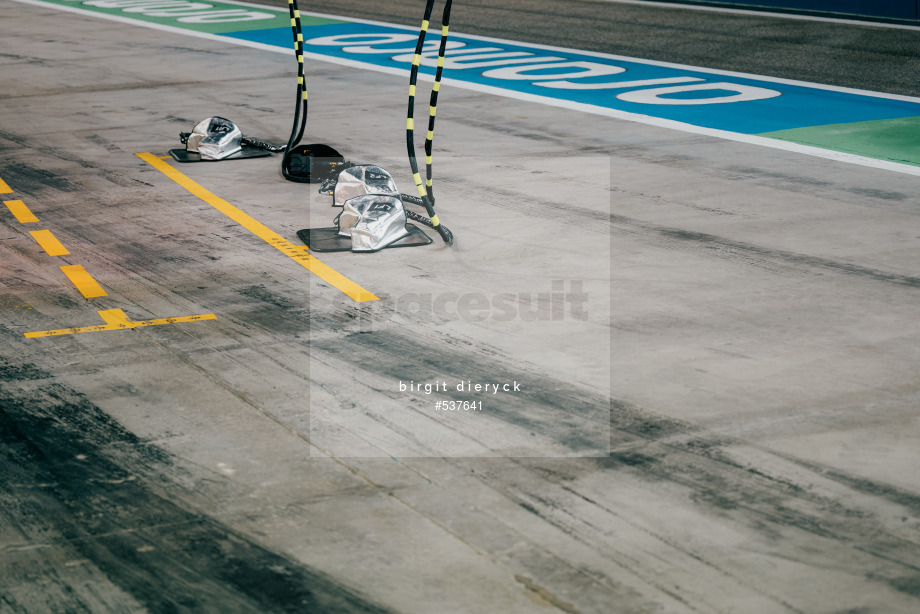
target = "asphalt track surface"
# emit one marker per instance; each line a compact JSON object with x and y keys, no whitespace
{"x":729,"y":426}
{"x":867,"y":57}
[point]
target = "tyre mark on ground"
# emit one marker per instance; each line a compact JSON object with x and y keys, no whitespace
{"x":776,"y":260}
{"x":76,"y":480}
{"x":798,"y":520}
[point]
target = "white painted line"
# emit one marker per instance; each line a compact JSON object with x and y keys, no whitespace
{"x":608,"y":56}
{"x":720,"y":9}
{"x":650,"y":4}
{"x":565,"y":104}
{"x":134,"y":22}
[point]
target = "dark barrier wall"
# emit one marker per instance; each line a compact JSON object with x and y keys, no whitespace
{"x":892,"y":9}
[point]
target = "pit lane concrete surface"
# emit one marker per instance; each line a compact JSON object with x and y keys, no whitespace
{"x":697,"y":358}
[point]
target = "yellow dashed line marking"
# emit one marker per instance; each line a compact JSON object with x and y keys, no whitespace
{"x":84,"y":282}
{"x":298,"y":253}
{"x":20,"y":211}
{"x":49,"y":242}
{"x":116,"y":319}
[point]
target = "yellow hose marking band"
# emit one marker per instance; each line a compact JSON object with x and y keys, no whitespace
{"x":305,"y":94}
{"x":432,"y":110}
{"x":441,"y":61}
{"x":300,"y":80}
{"x":430,"y":135}
{"x":49,"y":242}
{"x":293,"y":22}
{"x":116,"y":319}
{"x":84,"y":282}
{"x":416,"y":59}
{"x":412,"y":90}
{"x":298,"y":253}
{"x":425,"y":25}
{"x":435,"y":221}
{"x":297,"y":14}
{"x":418,"y":179}
{"x":300,"y":38}
{"x":444,"y":30}
{"x":20,"y":211}
{"x":428,"y":183}
{"x":428,"y":159}
{"x":410,"y":124}
{"x":300,"y":59}
{"x":436,"y":86}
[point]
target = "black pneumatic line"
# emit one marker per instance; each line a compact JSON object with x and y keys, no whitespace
{"x":446,"y":235}
{"x":300,"y":117}
{"x":417,"y":217}
{"x":433,"y":103}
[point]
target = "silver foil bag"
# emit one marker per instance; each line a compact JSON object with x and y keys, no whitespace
{"x":361,"y":180}
{"x":215,"y":138}
{"x":373,"y":221}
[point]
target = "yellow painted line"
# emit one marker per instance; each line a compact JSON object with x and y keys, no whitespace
{"x":116,"y":319}
{"x":84,"y":282}
{"x":20,"y":211}
{"x":298,"y":253}
{"x":49,"y":242}
{"x":4,"y":188}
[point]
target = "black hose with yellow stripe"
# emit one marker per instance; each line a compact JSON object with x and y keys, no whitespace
{"x":300,"y":110}
{"x":426,"y":188}
{"x":433,"y":103}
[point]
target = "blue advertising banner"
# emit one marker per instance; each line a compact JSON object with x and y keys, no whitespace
{"x":862,"y":127}
{"x":712,"y":99}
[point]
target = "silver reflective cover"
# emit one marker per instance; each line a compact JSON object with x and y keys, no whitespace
{"x":361,"y":180}
{"x":215,"y":138}
{"x":373,"y":222}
